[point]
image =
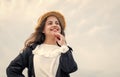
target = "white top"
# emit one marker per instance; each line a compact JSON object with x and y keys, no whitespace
{"x":46,"y":59}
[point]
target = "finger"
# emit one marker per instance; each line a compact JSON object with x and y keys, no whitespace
{"x":58,"y":36}
{"x":57,"y":39}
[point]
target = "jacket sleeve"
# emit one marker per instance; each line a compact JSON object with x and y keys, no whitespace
{"x":67,"y":62}
{"x":17,"y":65}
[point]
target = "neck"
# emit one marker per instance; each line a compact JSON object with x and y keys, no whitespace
{"x":49,"y":40}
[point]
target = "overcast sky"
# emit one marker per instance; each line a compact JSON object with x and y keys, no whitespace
{"x":93,"y":31}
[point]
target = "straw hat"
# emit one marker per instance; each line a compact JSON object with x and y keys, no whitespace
{"x":53,"y":13}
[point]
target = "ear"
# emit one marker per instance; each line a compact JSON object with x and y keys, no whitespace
{"x":43,"y":31}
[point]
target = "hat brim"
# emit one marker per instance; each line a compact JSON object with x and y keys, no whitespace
{"x":59,"y":16}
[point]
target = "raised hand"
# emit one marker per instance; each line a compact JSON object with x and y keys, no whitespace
{"x":60,"y":39}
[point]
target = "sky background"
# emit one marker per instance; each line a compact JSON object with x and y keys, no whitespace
{"x":93,"y":31}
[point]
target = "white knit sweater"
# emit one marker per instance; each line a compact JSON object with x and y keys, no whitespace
{"x":46,"y":59}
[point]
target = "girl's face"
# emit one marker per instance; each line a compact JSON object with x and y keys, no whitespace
{"x":52,"y":26}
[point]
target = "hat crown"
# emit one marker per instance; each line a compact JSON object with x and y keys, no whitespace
{"x":59,"y":16}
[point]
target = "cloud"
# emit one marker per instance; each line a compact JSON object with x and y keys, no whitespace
{"x":92,"y":30}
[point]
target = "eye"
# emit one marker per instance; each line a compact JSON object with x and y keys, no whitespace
{"x":50,"y":23}
{"x":57,"y":23}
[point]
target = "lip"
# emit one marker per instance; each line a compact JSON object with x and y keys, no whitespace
{"x":54,"y":29}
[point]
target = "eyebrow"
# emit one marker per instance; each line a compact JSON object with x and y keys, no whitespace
{"x":51,"y":21}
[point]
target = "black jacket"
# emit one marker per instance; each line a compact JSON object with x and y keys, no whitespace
{"x":66,"y":66}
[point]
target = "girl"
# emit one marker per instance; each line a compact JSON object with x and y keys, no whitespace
{"x":46,"y":53}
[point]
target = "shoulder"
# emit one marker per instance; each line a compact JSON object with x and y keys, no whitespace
{"x":28,"y":50}
{"x":68,"y":53}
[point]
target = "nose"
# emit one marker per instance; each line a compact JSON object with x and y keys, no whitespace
{"x":55,"y":25}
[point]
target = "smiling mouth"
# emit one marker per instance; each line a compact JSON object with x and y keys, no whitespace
{"x":54,"y":29}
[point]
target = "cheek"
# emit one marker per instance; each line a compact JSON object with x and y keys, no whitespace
{"x":60,"y":30}
{"x":45,"y":29}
